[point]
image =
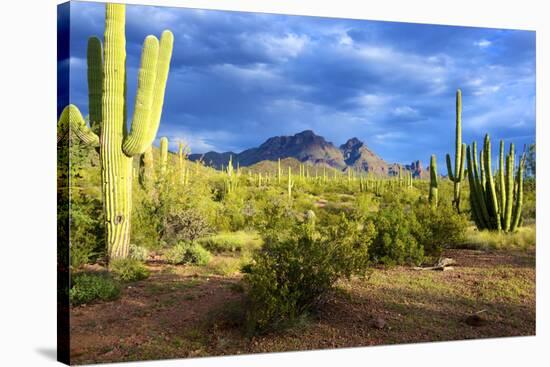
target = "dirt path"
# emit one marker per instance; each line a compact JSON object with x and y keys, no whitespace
{"x":177,"y":314}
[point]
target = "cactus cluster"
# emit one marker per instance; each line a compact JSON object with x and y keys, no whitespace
{"x":108,"y":106}
{"x":496,"y":204}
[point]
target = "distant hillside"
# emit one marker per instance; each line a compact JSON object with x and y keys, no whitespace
{"x":308,"y":148}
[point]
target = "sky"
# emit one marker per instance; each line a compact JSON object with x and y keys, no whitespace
{"x":238,"y":78}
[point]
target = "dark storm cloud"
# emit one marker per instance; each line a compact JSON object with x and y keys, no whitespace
{"x":238,"y":78}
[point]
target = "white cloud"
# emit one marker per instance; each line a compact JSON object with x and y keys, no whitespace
{"x":372,"y":100}
{"x":405,"y":111}
{"x":483,"y":43}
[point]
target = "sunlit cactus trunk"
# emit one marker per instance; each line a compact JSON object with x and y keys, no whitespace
{"x":460,"y":152}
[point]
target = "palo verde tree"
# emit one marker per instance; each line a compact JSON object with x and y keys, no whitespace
{"x":108,"y":106}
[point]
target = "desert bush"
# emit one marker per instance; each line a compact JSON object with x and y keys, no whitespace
{"x":294,"y":270}
{"x":439,"y":228}
{"x":128,"y":270}
{"x":396,"y":241}
{"x":231,"y":241}
{"x":136,"y":252}
{"x":89,"y":287}
{"x":87,"y":239}
{"x":187,"y":253}
{"x":185,"y":225}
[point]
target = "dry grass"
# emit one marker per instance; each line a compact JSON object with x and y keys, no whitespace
{"x":523,"y":239}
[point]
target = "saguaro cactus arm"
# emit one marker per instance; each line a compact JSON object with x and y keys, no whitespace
{"x":71,"y":119}
{"x":153,"y":74}
{"x":94,"y":57}
{"x":136,"y":142}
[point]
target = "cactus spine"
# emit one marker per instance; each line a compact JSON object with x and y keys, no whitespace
{"x":433,"y":198}
{"x":495,"y":207}
{"x":460,"y":152}
{"x":107,"y":105}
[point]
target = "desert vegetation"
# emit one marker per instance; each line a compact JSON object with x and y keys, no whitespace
{"x":282,"y":254}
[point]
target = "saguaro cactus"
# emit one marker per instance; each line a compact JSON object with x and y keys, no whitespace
{"x":460,"y":153}
{"x":495,"y":207}
{"x":290,"y":183}
{"x":433,"y":198}
{"x":163,"y":155}
{"x":279,"y":171}
{"x":146,"y":168}
{"x":107,"y":105}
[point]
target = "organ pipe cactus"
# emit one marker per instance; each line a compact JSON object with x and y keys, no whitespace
{"x":433,"y":198}
{"x":108,"y":106}
{"x":495,"y":207}
{"x":460,"y":153}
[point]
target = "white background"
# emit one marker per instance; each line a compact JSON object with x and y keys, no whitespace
{"x":28,"y":192}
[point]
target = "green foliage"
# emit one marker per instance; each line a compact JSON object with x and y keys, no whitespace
{"x":129,"y":270}
{"x":439,"y":228}
{"x":295,"y":269}
{"x":87,"y":231}
{"x":187,"y":253}
{"x":396,"y":238}
{"x":185,"y":225}
{"x":89,"y":287}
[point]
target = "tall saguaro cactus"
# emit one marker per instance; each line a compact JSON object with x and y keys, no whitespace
{"x":108,"y":106}
{"x":460,"y":153}
{"x":433,"y":198}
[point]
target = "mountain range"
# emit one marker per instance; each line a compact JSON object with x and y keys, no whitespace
{"x":315,"y":150}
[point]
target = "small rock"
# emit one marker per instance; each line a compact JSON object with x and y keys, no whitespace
{"x":378,"y":323}
{"x":475,"y":320}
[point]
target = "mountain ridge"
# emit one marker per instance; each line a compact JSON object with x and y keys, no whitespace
{"x":310,"y":148}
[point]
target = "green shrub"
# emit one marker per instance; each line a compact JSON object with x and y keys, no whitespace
{"x":294,"y":271}
{"x":396,"y":241}
{"x":185,"y":225}
{"x":138,"y":252}
{"x":439,"y":228}
{"x":187,"y":253}
{"x":88,"y":287}
{"x":129,"y":270}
